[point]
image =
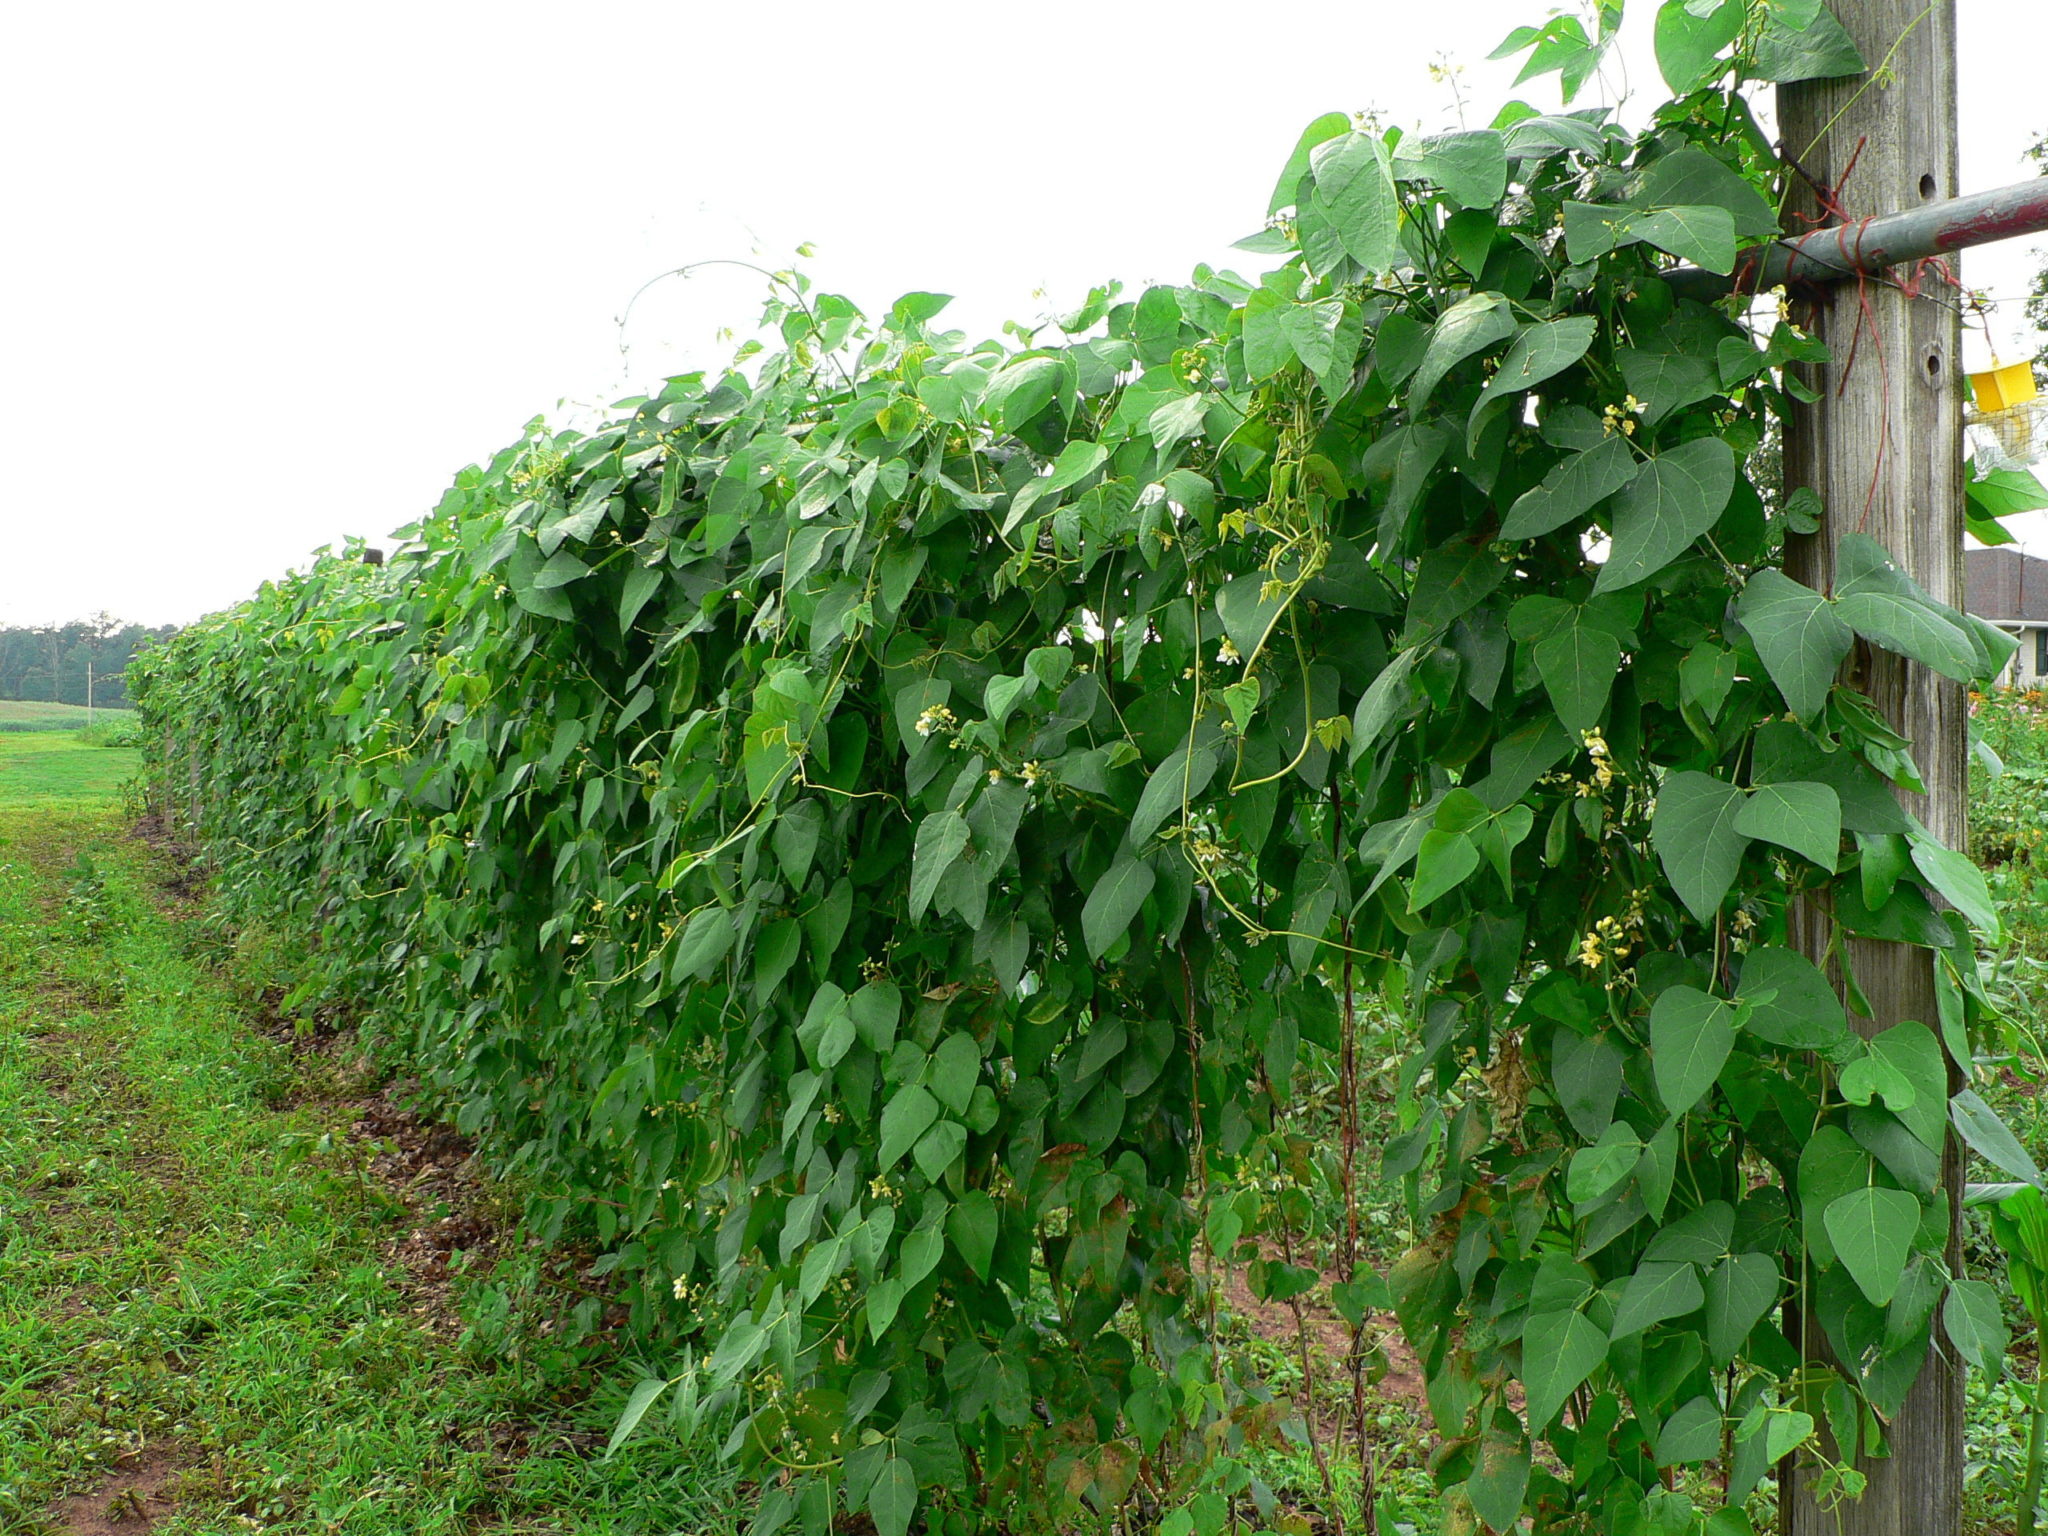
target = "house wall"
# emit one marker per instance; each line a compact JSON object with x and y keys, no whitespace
{"x":2029,"y":667}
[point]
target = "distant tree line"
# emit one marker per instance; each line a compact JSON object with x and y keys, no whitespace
{"x":57,"y":663}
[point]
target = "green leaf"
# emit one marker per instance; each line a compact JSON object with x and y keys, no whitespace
{"x":1471,"y":166}
{"x":1785,"y":1432}
{"x":909,"y":1113}
{"x":1691,"y":1035}
{"x":1962,"y":882}
{"x":2005,"y":493}
{"x":642,"y":1398}
{"x":875,"y":1010}
{"x":1678,"y":496}
{"x":955,"y":1069}
{"x":1113,"y":902}
{"x":1693,"y":1433}
{"x":1385,"y":702}
{"x":1571,"y":490}
{"x":1559,"y":1351}
{"x":1248,"y":614}
{"x":1578,"y":663}
{"x":972,"y":1224}
{"x":1267,"y":348}
{"x":1911,"y":1050}
{"x":1001,"y":695}
{"x":1452,"y":579}
{"x":1805,"y":817}
{"x":1545,"y":135}
{"x":1990,"y":1137}
{"x":1468,"y":327}
{"x":1397,"y":350}
{"x":1692,"y":177}
{"x":1354,"y":192}
{"x":951,"y":394}
{"x":1975,"y":1324}
{"x":1819,"y":51}
{"x":1693,"y":830}
{"x":1325,"y":335}
{"x":1593,"y":230}
{"x":1595,"y":1171}
{"x":1653,"y":1293}
{"x":529,"y":591}
{"x":1705,"y":678}
{"x":1740,"y":1290}
{"x":1178,"y":780}
{"x":1701,"y":1236}
{"x":642,"y":582}
{"x":1023,"y":388}
{"x":1830,"y":1166}
{"x":794,"y":838}
{"x":1799,"y":636}
{"x":1050,"y":664}
{"x":1499,"y":1481}
{"x":1910,"y":629}
{"x":1077,"y":461}
{"x":1703,"y":236}
{"x":1687,"y":45}
{"x":899,"y":572}
{"x":893,"y":1498}
{"x":884,"y":1299}
{"x":939,"y":1148}
{"x":1411,"y":453}
{"x":921,"y":1249}
{"x":1886,"y":856}
{"x":706,"y":941}
{"x":1329,"y":126}
{"x":1540,"y":352}
{"x":1872,"y":1230}
{"x":1886,"y":607}
{"x":1587,"y":1073}
{"x":1791,"y":1003}
{"x":941,"y":839}
{"x":1442,"y":864}
{"x":1664,"y":381}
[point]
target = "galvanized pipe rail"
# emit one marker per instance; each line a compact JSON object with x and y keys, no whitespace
{"x":1841,"y":251}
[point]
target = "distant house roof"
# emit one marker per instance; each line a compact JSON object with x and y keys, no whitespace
{"x":2003,"y":584}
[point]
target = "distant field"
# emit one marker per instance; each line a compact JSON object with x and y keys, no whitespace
{"x":51,"y":767}
{"x":34,"y":715}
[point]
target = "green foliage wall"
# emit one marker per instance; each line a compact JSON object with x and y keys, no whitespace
{"x":868,"y":834}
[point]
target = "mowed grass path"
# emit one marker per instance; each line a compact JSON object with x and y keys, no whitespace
{"x":203,"y":1328}
{"x":43,"y":770}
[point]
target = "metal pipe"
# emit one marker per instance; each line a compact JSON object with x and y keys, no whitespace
{"x":1843,"y":250}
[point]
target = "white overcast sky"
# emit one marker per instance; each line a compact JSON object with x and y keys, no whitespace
{"x":273,"y":273}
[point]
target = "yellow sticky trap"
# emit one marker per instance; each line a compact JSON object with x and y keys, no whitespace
{"x":1998,"y":388}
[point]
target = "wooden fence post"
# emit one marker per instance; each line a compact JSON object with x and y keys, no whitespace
{"x":1882,"y":445}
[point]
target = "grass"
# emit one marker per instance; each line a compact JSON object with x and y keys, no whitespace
{"x":50,"y":768}
{"x":207,"y":1318}
{"x":37,"y":715}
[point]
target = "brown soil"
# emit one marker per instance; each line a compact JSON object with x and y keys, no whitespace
{"x":432,"y":1170}
{"x":132,"y":1498}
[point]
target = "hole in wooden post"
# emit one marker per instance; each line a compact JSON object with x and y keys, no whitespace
{"x":1933,"y":365}
{"x":1927,"y":185}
